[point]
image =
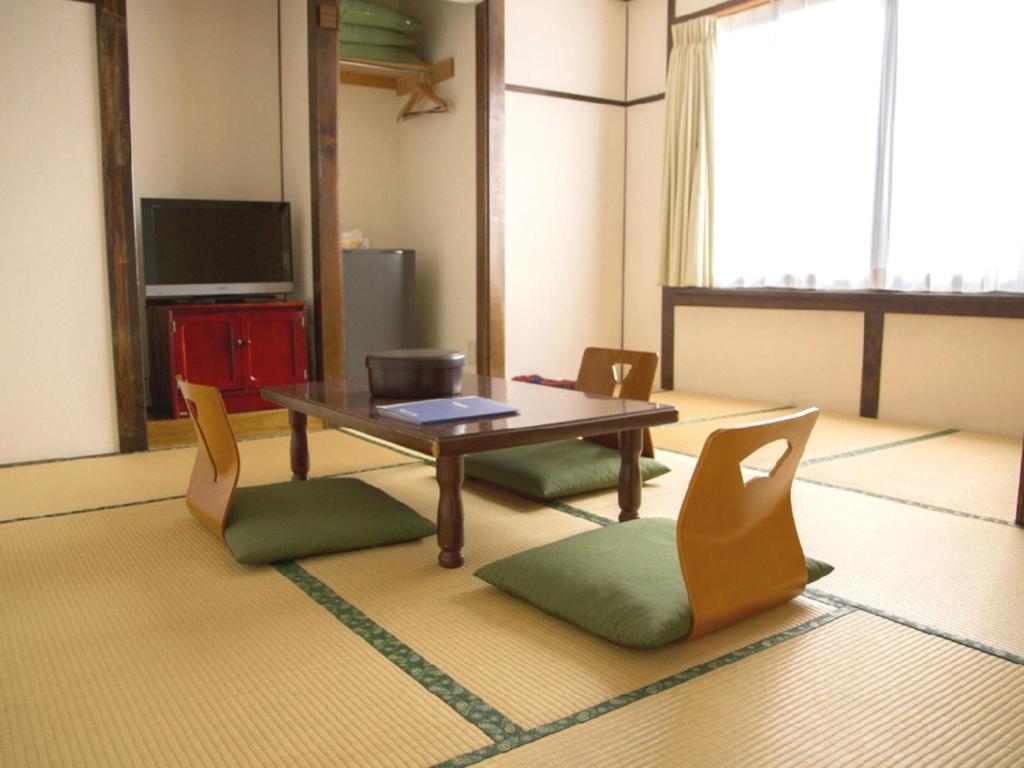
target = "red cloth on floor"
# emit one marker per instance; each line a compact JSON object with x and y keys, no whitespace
{"x":533,"y":378}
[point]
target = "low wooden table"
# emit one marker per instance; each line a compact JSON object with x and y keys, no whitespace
{"x":546,"y":414}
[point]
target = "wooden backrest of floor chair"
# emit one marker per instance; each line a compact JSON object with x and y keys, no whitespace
{"x":217,"y":465}
{"x":738,"y":545}
{"x":597,"y":377}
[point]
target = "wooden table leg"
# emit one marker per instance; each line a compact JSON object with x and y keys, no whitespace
{"x":630,"y":481}
{"x":300,"y":445}
{"x":449,"y":510}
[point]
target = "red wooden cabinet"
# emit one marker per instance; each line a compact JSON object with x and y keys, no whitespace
{"x":238,"y":348}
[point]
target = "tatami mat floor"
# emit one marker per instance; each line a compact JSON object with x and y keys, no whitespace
{"x":128,"y":635}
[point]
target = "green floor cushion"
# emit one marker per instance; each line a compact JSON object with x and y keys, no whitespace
{"x":284,"y":521}
{"x":553,"y":470}
{"x":369,"y":14}
{"x":354,"y":33}
{"x":621,"y":582}
{"x":376,"y":52}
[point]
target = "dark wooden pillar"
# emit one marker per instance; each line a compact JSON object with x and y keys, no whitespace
{"x":668,"y":339}
{"x":119,"y":207}
{"x":1019,"y":519}
{"x":490,"y":185}
{"x":871,"y":363}
{"x":328,"y":340}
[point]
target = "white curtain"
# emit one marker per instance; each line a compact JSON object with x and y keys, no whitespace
{"x":958,"y":154}
{"x":796,"y":131}
{"x":870,"y":144}
{"x":686,"y":194}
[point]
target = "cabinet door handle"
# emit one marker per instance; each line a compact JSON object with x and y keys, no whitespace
{"x":243,"y":342}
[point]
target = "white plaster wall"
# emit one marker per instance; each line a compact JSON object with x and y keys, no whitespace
{"x":648,"y":43}
{"x":642,"y":310}
{"x":575,"y":46}
{"x":295,"y":143}
{"x":204,"y":98}
{"x":437,"y":182}
{"x":56,"y":382}
{"x":205,"y":123}
{"x":565,"y":183}
{"x":780,"y":356}
{"x":564,"y":197}
{"x":645,"y":132}
{"x":964,"y":372}
{"x":370,"y":173}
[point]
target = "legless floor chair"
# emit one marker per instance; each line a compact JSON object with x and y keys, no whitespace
{"x":734,"y":551}
{"x":568,"y":467}
{"x":283,"y":521}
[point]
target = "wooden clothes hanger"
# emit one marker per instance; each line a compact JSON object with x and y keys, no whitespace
{"x":421,"y":89}
{"x":424,"y":91}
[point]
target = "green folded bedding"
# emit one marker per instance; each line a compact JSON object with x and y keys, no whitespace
{"x":355,"y":33}
{"x":367,"y":14}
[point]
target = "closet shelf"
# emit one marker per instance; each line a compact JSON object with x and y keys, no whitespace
{"x":415,"y":79}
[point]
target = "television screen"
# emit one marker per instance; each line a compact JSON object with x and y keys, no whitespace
{"x":216,"y":247}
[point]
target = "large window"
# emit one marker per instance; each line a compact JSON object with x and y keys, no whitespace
{"x":861,"y":143}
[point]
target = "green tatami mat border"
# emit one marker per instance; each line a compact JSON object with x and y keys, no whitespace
{"x":569,"y":509}
{"x":872,"y":494}
{"x":879,"y":447}
{"x":467,"y":704}
{"x":62,"y":459}
{"x":561,"y":506}
{"x":160,"y":449}
{"x":140,"y":502}
{"x":910,"y":502}
{"x":384,"y":444}
{"x":618,"y":702}
{"x":841,"y":602}
{"x":702,"y":419}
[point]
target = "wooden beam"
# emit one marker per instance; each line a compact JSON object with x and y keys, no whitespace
{"x":565,"y":95}
{"x":119,"y":219}
{"x":369,"y":81}
{"x":328,"y":339}
{"x":902,"y":302}
{"x":490,"y":184}
{"x":720,"y":11}
{"x":871,"y":363}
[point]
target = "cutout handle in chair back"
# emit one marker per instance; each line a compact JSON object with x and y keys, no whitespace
{"x":738,"y":545}
{"x":597,"y":377}
{"x":216,"y":469}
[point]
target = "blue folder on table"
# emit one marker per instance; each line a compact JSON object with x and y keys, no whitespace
{"x":447,"y":409}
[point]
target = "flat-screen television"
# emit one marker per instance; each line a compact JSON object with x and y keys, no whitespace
{"x":216,"y":247}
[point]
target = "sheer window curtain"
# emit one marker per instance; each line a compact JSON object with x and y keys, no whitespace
{"x":958,"y":148}
{"x":796,"y":134}
{"x":869,"y":144}
{"x":686,"y":193}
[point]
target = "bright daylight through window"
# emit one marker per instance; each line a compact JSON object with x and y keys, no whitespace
{"x":870,"y":144}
